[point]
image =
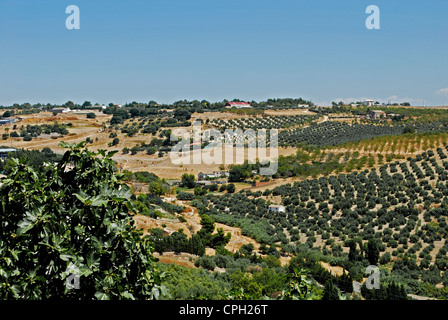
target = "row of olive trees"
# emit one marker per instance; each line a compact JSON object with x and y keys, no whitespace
{"x":377,"y":204}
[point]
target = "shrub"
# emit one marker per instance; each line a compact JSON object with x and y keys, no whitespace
{"x":115,"y":141}
{"x":205,"y":262}
{"x":230,"y":188}
{"x":188,"y":181}
{"x":185,"y":196}
{"x":385,"y":258}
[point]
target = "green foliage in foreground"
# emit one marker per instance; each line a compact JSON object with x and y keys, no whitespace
{"x":72,"y":219}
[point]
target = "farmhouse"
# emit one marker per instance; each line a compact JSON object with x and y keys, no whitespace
{"x":276,"y":208}
{"x":369,"y":102}
{"x":202,"y":176}
{"x":221,"y":173}
{"x":214,"y":175}
{"x":60,"y":110}
{"x":237,"y":105}
{"x":375,"y":114}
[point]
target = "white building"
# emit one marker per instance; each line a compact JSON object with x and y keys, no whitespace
{"x":276,"y":208}
{"x":376,"y":114}
{"x":220,"y":174}
{"x":60,"y":110}
{"x":369,"y":102}
{"x":214,"y":175}
{"x":237,"y":105}
{"x":202,"y":176}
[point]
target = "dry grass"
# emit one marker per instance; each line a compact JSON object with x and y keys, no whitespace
{"x":93,"y":128}
{"x":334,"y":270}
{"x":192,"y":226}
{"x":166,"y":168}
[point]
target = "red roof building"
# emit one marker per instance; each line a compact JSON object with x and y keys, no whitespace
{"x":237,"y":105}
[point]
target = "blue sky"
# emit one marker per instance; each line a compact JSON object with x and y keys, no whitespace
{"x":167,"y":50}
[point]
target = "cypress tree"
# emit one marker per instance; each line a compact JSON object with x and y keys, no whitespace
{"x":373,"y":251}
{"x":346,"y":282}
{"x":199,"y":247}
{"x":330,"y":291}
{"x":402,"y":293}
{"x":381,"y":293}
{"x":391,"y":291}
{"x":353,"y":253}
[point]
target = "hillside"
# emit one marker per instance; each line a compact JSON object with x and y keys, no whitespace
{"x":348,"y":190}
{"x":402,"y":205}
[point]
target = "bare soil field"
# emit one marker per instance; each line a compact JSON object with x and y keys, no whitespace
{"x":82,"y":128}
{"x":184,"y":259}
{"x":334,"y":270}
{"x":169,"y":168}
